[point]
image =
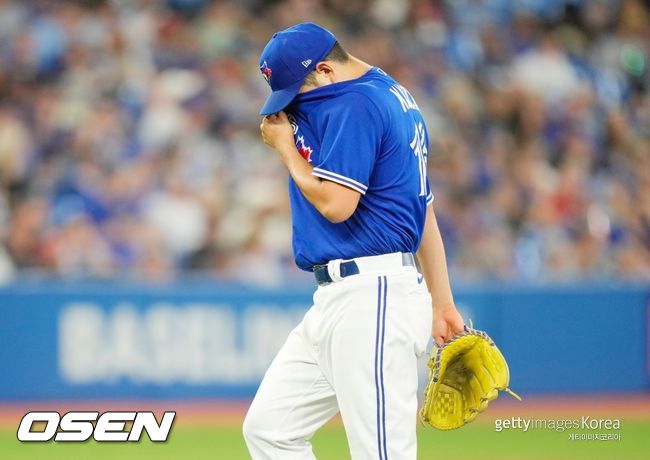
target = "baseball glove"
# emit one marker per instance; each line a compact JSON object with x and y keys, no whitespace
{"x":466,"y":373}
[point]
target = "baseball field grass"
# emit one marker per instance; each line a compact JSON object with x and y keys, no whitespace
{"x":195,"y":436}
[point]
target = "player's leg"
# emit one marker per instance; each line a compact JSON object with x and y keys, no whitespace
{"x":384,"y":324}
{"x":293,"y":400}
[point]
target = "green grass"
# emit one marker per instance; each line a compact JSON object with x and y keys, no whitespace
{"x":476,"y":441}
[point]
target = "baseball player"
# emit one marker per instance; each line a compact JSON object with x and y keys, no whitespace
{"x":355,"y":145}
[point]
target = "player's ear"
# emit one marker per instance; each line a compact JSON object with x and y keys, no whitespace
{"x":325,"y":69}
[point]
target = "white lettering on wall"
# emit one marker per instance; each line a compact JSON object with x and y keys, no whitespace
{"x":194,"y":343}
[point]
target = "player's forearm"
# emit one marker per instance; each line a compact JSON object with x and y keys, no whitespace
{"x":433,"y":263}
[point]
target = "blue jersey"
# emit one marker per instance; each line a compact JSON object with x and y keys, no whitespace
{"x":367,"y":134}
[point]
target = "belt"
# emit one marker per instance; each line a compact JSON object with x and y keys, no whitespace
{"x":336,"y":270}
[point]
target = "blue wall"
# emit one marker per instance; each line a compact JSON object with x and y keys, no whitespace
{"x":198,"y":339}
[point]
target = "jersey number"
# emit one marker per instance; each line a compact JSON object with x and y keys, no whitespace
{"x":418,"y":144}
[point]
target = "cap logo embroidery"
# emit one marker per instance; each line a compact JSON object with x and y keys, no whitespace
{"x":306,"y":63}
{"x":266,"y":72}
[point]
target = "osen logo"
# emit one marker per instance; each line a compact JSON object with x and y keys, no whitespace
{"x":79,"y":426}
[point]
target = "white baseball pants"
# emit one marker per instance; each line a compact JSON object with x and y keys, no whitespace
{"x":355,"y":352}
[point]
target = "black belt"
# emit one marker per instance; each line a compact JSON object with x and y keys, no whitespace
{"x":349,"y":268}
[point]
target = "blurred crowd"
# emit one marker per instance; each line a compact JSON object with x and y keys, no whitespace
{"x":130,"y":147}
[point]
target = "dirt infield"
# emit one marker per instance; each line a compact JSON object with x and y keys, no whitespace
{"x":220,"y":412}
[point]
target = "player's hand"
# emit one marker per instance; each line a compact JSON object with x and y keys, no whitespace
{"x":447,"y":322}
{"x":277,"y":131}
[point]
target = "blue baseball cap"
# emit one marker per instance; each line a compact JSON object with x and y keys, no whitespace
{"x":288,"y":58}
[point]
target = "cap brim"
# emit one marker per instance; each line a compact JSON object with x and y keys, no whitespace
{"x":278,"y":100}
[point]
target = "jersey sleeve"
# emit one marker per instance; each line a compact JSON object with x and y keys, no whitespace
{"x":352,"y":134}
{"x":429,"y":193}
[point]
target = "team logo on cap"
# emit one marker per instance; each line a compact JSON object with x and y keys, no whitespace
{"x":266,"y":72}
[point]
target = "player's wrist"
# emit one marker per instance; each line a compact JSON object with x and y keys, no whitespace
{"x":444,"y":306}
